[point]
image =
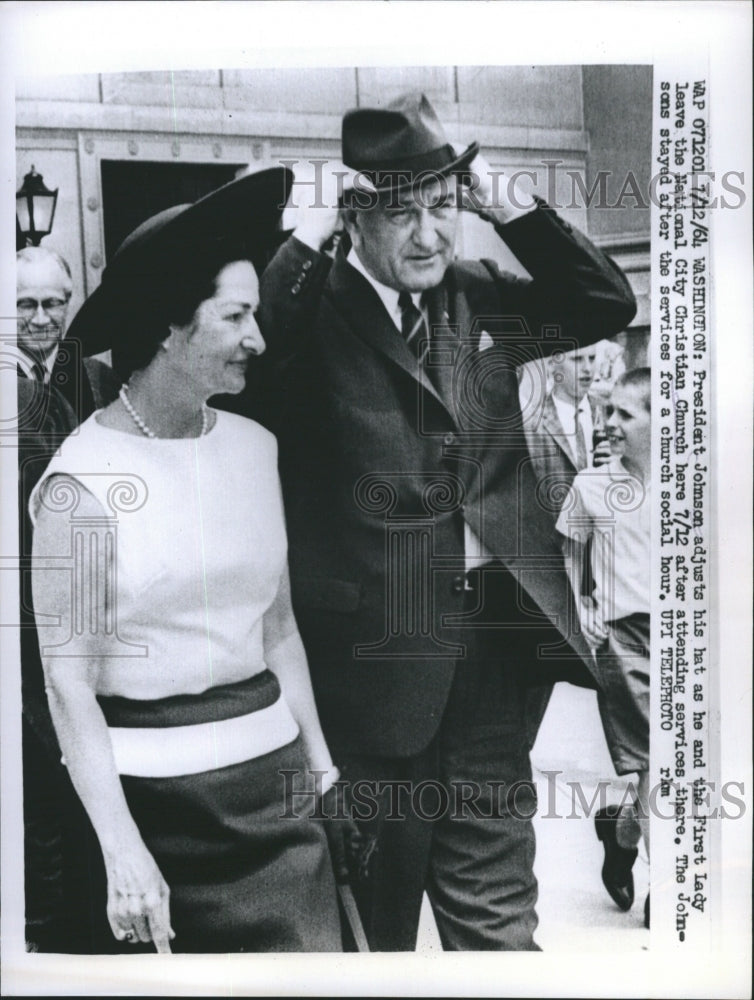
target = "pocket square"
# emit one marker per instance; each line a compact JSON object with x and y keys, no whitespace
{"x":485,"y":341}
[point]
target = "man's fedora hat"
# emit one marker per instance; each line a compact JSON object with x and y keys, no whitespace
{"x":245,"y":213}
{"x":400,"y":145}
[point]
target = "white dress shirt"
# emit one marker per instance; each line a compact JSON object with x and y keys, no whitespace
{"x":388,"y":296}
{"x":475,"y":551}
{"x":567,"y":415}
{"x":26,"y":364}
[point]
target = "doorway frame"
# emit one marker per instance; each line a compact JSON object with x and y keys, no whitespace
{"x":93,"y":147}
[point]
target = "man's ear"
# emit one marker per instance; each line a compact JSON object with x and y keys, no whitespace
{"x":172,"y":338}
{"x":352,"y":221}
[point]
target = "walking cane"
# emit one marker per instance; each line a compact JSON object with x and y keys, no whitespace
{"x":352,"y":916}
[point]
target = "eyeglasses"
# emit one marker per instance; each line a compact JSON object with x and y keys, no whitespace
{"x":29,"y":307}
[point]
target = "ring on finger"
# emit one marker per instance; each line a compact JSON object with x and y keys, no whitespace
{"x":129,"y":936}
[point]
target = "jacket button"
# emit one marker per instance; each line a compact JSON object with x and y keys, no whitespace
{"x":296,"y":289}
{"x":458,"y":585}
{"x":449,"y":439}
{"x":306,"y":265}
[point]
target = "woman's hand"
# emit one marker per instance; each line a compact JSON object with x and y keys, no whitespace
{"x":138,"y":898}
{"x":343,"y":836}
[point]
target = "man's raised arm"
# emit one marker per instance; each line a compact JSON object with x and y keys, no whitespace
{"x":573,"y":285}
{"x":292,"y":283}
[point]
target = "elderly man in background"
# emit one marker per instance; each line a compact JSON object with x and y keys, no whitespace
{"x":43,"y":293}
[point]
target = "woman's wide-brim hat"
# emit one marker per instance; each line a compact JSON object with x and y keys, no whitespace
{"x":246,"y":213}
{"x":400,"y":146}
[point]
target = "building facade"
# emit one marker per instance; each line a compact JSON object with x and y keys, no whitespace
{"x":120,"y":147}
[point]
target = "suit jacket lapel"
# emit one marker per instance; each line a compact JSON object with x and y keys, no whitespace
{"x":365,"y":314}
{"x":444,"y":345}
{"x":551,"y":423}
{"x":457,"y":307}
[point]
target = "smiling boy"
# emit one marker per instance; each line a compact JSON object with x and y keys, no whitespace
{"x":611,"y":504}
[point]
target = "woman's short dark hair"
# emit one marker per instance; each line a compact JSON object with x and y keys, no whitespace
{"x":167,"y":296}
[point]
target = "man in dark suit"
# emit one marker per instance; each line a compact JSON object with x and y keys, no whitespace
{"x":428,"y":587}
{"x":55,"y":390}
{"x":55,"y":861}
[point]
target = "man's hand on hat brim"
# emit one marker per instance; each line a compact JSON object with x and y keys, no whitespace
{"x":318,"y":199}
{"x":493,"y":194}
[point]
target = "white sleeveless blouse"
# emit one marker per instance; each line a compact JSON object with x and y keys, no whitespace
{"x":199,"y":538}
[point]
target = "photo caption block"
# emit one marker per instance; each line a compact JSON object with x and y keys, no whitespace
{"x":686,"y":793}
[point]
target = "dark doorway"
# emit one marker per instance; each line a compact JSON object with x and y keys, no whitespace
{"x":132,"y":192}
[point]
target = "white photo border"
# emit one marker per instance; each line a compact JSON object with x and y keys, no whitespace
{"x":89,"y":37}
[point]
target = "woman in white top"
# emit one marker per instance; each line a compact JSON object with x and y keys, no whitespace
{"x":175,"y":673}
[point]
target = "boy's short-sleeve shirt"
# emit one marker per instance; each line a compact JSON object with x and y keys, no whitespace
{"x":609,"y":502}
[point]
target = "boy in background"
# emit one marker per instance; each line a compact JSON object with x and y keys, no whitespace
{"x":611,"y":504}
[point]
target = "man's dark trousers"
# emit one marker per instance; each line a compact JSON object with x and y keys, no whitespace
{"x":471,"y":848}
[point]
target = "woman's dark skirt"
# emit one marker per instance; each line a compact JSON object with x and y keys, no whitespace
{"x":241,"y":877}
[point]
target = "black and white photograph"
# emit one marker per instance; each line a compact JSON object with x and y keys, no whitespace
{"x":376,"y":464}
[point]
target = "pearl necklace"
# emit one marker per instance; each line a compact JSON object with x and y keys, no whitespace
{"x":141,"y":424}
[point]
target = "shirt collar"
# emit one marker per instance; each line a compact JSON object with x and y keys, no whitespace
{"x":26,"y":363}
{"x":566,"y":412}
{"x":388,"y":296}
{"x":619,"y":473}
{"x":567,"y":408}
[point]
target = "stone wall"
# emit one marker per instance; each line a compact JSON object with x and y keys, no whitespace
{"x":583,"y":118}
